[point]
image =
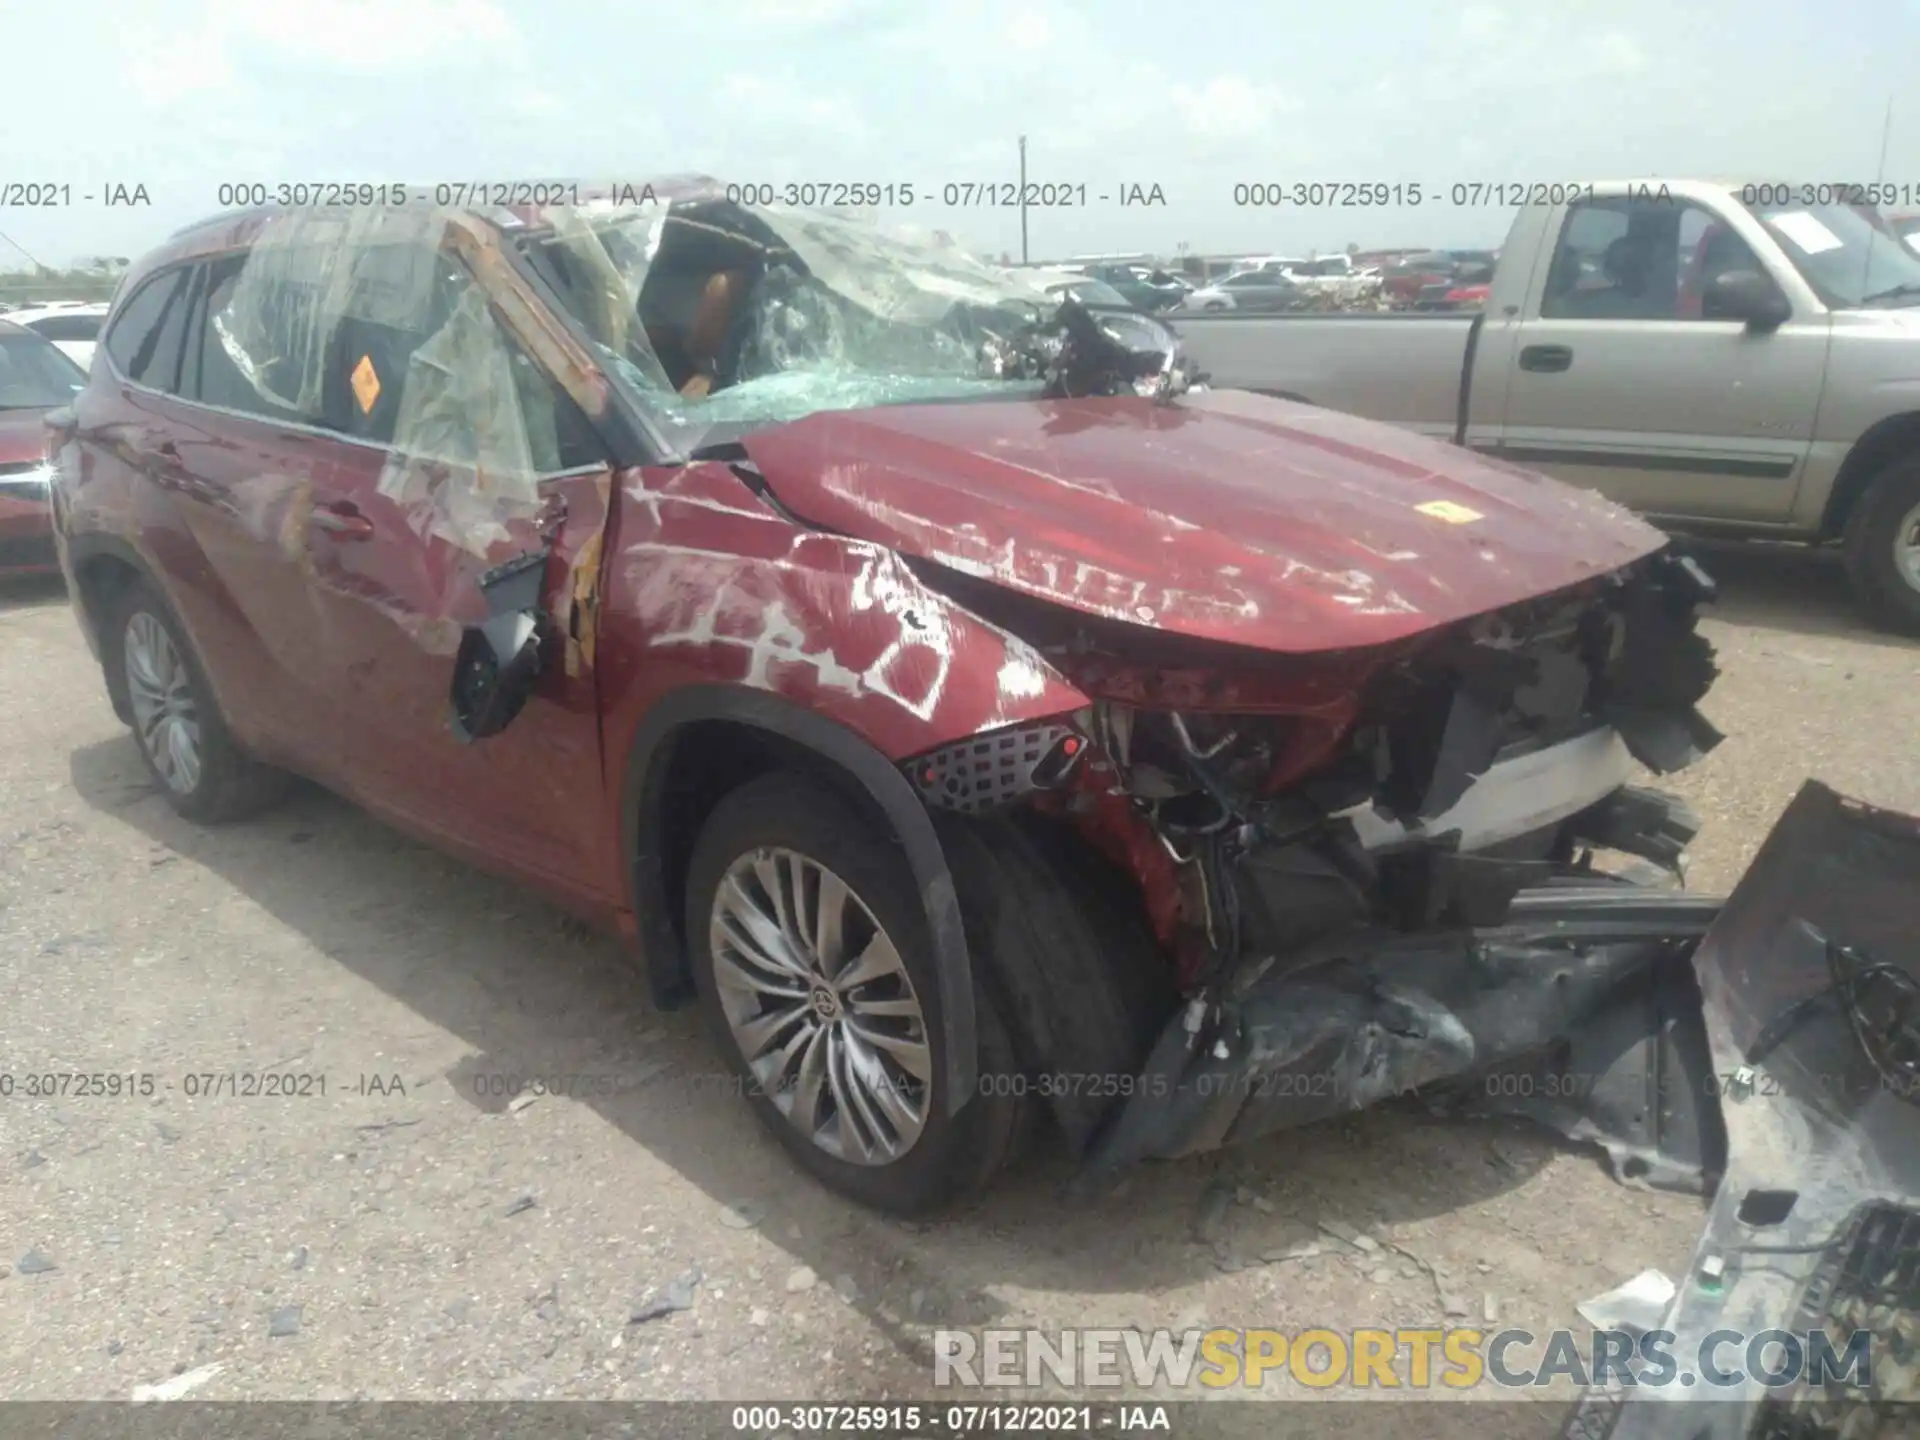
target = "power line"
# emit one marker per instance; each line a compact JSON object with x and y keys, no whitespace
{"x":21,"y":248}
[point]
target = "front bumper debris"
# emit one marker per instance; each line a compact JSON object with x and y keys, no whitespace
{"x":1583,"y":979}
{"x":1815,"y":1070}
{"x":1583,"y":1010}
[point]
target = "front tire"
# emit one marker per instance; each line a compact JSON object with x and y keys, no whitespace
{"x":814,"y":965}
{"x":178,"y":728}
{"x":1883,"y":547}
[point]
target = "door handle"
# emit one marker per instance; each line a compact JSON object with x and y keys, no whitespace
{"x":342,"y":521}
{"x":1547,"y":358}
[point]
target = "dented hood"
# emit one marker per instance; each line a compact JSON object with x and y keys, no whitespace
{"x":1228,"y":516}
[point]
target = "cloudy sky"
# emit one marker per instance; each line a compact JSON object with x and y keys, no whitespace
{"x":182,"y":95}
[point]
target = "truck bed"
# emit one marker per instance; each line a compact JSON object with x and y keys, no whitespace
{"x":1405,"y":369}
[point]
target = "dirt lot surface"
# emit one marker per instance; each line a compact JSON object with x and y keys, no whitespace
{"x":411,"y":1234}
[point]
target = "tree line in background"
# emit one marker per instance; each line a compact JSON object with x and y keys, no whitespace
{"x":91,"y":278}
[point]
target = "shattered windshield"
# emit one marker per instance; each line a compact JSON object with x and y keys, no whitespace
{"x":723,"y":317}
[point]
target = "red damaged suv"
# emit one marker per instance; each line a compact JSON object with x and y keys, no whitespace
{"x":987,"y":724}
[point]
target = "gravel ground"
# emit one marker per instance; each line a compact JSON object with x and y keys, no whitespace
{"x":408,"y":1235}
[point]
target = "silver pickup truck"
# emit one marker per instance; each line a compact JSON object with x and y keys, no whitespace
{"x":1742,"y":360}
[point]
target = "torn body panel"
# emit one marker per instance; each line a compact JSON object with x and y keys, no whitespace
{"x":392,"y":617}
{"x":1368,"y":1017}
{"x":713,"y":585}
{"x":1318,"y":875}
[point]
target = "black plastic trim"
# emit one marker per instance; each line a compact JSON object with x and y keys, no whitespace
{"x":1641,"y":460}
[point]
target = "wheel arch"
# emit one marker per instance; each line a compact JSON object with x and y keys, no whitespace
{"x":1884,"y":442}
{"x":104,"y":566}
{"x":748,"y":731}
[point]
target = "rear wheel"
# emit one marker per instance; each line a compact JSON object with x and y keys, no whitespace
{"x":1883,"y":547}
{"x":812,"y":958}
{"x":178,"y":728}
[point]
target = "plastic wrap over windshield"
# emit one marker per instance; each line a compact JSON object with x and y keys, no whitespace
{"x":724,"y":316}
{"x":367,"y":325}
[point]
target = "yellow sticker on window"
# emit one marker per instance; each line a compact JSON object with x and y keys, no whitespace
{"x":366,"y":384}
{"x":1448,"y":511}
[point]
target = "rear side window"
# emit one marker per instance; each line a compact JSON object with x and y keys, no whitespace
{"x":209,"y":373}
{"x":145,"y":337}
{"x":418,"y":362}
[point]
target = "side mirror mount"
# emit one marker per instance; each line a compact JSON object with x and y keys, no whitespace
{"x":1747,"y":295}
{"x":500,"y":660}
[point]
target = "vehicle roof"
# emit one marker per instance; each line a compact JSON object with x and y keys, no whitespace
{"x":234,"y":229}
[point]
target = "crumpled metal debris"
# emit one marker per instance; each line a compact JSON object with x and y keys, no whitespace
{"x":1638,"y":1304}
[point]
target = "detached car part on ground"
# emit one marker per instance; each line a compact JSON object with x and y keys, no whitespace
{"x":1809,"y":1011}
{"x":996,"y":732}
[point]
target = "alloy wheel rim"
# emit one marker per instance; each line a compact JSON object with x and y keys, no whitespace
{"x":821,"y":1006}
{"x":1906,"y":548}
{"x":165,"y":719}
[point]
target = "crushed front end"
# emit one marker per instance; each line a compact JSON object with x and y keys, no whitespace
{"x":1375,"y":872}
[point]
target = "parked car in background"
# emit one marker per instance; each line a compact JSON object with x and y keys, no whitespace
{"x":74,"y":326}
{"x":1257,"y":291}
{"x":1719,"y":367}
{"x":1328,"y":275}
{"x":1094,"y":294}
{"x":1421,"y":281}
{"x":1404,"y":281}
{"x":35,"y":378}
{"x":1144,"y":287}
{"x":1467,"y":289}
{"x":935,"y":727}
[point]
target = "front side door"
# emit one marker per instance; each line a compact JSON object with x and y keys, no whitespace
{"x":448,"y":421}
{"x":1619,"y":381}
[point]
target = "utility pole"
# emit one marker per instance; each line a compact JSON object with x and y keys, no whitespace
{"x":1023,"y":199}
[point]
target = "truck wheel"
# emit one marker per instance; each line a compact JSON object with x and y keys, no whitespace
{"x":1213,"y":305}
{"x":182,"y":738}
{"x":1883,"y":547}
{"x":813,"y":963}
